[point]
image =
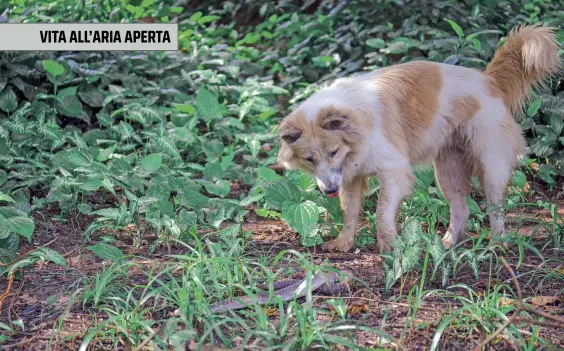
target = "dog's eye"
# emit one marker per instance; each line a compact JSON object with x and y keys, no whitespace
{"x":310,"y":159}
{"x":333,"y":153}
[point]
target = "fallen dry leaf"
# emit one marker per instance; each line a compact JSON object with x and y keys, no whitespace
{"x":541,"y":301}
{"x":356,"y":309}
{"x":272,"y":312}
{"x":504,"y":301}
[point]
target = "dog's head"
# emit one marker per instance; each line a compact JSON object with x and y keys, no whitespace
{"x":320,"y":137}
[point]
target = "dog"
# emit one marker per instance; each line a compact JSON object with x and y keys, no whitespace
{"x":381,"y":123}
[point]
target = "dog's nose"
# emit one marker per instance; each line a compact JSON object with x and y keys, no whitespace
{"x":331,"y":190}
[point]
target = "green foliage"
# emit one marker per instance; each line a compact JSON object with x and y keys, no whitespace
{"x":179,"y":143}
{"x":106,"y":251}
{"x":167,"y":135}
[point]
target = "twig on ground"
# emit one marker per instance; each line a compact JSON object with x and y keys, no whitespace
{"x":541,"y":323}
{"x":27,"y":253}
{"x":149,"y":338}
{"x":19,"y":343}
{"x":558,"y":320}
{"x":7,"y":292}
{"x":11,"y":274}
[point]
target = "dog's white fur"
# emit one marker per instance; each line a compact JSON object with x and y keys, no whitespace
{"x":385,"y":121}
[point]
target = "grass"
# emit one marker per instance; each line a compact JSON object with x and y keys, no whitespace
{"x":137,"y":189}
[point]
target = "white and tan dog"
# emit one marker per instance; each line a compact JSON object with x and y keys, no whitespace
{"x":382,"y":122}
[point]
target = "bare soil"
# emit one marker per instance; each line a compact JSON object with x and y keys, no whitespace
{"x":39,"y":296}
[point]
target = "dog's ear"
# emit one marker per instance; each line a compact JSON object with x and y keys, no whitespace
{"x":289,"y":133}
{"x":334,"y":121}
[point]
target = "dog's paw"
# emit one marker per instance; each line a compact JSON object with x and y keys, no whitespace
{"x":383,"y":247}
{"x":337,"y":245}
{"x":450,"y":240}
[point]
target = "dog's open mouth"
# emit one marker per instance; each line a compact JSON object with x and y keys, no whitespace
{"x":333,"y":195}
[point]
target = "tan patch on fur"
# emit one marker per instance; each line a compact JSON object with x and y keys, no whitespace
{"x":465,"y":108}
{"x":410,"y":97}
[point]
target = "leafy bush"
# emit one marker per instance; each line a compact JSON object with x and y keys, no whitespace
{"x":182,"y":140}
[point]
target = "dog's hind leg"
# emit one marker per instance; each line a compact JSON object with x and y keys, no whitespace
{"x":395,"y":185}
{"x":453,"y":177}
{"x":500,"y":148}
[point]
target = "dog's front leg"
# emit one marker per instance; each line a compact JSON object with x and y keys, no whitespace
{"x":395,"y":185}
{"x":351,"y":204}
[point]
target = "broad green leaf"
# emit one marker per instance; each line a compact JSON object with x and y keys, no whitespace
{"x":70,"y":91}
{"x":11,"y":244}
{"x":106,"y":252}
{"x":266,"y":114}
{"x":207,"y":19}
{"x":147,"y":3}
{"x":51,"y":255}
{"x":376,"y":43}
{"x":84,"y":208}
{"x":69,"y":106}
{"x":534,"y":108}
{"x":105,"y":153}
{"x":196,"y":16}
{"x":152,"y":162}
{"x":519,"y":179}
{"x":456,"y":28}
{"x":3,"y":174}
{"x":470,"y":37}
{"x":212,"y":148}
{"x":279,"y":192}
{"x":311,"y":238}
{"x":307,"y":182}
{"x":168,"y":146}
{"x":268,"y":174}
{"x":92,"y":185}
{"x":192,"y":199}
{"x":110,"y":213}
{"x":412,"y":232}
{"x":15,"y":221}
{"x":213,"y":171}
{"x":182,"y":134}
{"x":220,"y":187}
{"x":185,"y":108}
{"x":165,"y":207}
{"x":477,"y":44}
{"x":91,"y":96}
{"x":251,"y":199}
{"x":53,"y":67}
{"x":473,"y":206}
{"x":71,"y":159}
{"x":8,"y":100}
{"x":410,"y":257}
{"x":302,"y":217}
{"x":6,"y":198}
{"x":186,"y":220}
{"x":436,"y":249}
{"x":208,"y":105}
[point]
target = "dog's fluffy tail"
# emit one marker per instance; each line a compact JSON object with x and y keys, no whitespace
{"x":527,"y":58}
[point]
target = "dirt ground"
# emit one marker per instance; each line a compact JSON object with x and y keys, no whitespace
{"x":40,"y":295}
